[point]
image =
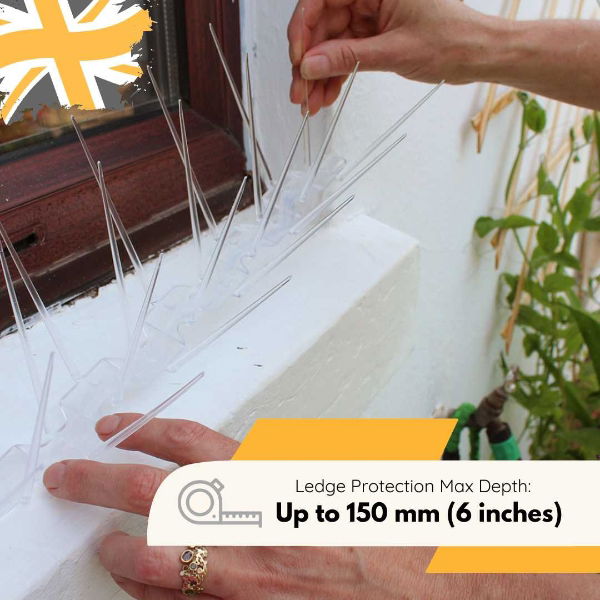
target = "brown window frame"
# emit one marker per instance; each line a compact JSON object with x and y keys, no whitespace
{"x":54,"y":213}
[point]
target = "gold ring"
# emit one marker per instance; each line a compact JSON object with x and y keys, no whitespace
{"x":194,"y":561}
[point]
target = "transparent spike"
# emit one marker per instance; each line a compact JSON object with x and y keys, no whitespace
{"x":291,"y":249}
{"x":255,"y":161}
{"x":120,"y":437}
{"x":388,"y":133}
{"x":213,"y":337}
{"x":314,"y":171}
{"x":188,"y":178}
{"x":277,"y":191}
{"x":200,"y":197}
{"x":141,"y":320}
{"x":36,"y":439}
{"x":44,"y":314}
{"x":133,"y":257}
{"x":307,"y":144}
{"x":22,"y":330}
{"x":112,"y":238}
{"x":214,"y":259}
{"x":301,"y":225}
{"x":238,"y":100}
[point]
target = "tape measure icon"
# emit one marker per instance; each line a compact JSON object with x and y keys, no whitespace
{"x":201,"y":503}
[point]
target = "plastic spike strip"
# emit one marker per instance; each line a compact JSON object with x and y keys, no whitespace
{"x":195,"y":219}
{"x":41,"y":308}
{"x":133,"y":256}
{"x":279,"y":187}
{"x":256,"y":181}
{"x":120,"y":437}
{"x":313,"y":214}
{"x":238,"y":100}
{"x":36,"y":439}
{"x":141,"y":320}
{"x":214,"y":259}
{"x":213,"y":337}
{"x":198,"y":192}
{"x":314,"y":171}
{"x":388,"y":133}
{"x":291,"y":249}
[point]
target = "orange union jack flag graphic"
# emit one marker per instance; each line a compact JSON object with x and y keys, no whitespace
{"x":47,"y":39}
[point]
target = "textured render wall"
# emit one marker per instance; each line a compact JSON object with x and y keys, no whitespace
{"x":433,"y":187}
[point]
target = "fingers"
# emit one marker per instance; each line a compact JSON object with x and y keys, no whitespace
{"x":300,"y":87}
{"x":329,"y":17}
{"x":129,"y":559}
{"x":314,"y":22}
{"x":333,"y":89}
{"x":334,"y":58}
{"x":139,"y":591}
{"x":178,"y":441}
{"x":130,"y":488}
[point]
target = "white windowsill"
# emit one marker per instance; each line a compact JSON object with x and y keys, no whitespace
{"x":324,"y":346}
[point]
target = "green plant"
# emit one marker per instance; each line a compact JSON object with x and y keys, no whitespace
{"x":555,"y":309}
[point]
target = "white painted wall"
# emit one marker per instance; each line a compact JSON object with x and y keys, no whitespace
{"x":433,"y":187}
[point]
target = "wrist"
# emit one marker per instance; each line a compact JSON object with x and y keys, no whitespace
{"x":486,"y":50}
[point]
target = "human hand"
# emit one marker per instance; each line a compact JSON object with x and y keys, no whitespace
{"x":424,"y":40}
{"x":261,"y":573}
{"x":153,"y":573}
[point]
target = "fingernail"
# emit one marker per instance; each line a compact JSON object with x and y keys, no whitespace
{"x":54,"y":475}
{"x":108,"y":425}
{"x":315,"y":67}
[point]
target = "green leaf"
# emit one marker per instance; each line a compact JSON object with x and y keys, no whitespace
{"x":531,"y":343}
{"x":566,"y":260}
{"x":573,"y":297}
{"x":590,"y":331}
{"x":517,"y":222}
{"x":547,"y":238}
{"x":547,"y":403}
{"x":573,"y":342}
{"x":592,"y":224}
{"x":537,"y":292}
{"x":529,"y":317}
{"x":557,"y":282}
{"x":539,"y":257}
{"x":594,"y":398}
{"x":535,"y":116}
{"x":511,"y":280}
{"x":588,"y":128}
{"x":545,"y":186}
{"x":523,"y":97}
{"x":580,"y":205}
{"x":485,"y":225}
{"x":576,"y":404}
{"x":587,"y":438}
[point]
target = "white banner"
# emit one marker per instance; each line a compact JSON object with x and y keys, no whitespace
{"x":379,"y":503}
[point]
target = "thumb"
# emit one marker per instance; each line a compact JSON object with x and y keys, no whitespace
{"x":334,"y":58}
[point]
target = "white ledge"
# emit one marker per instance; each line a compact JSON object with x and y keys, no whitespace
{"x":324,"y":346}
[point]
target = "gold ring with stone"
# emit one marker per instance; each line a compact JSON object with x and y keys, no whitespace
{"x":194,"y":561}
